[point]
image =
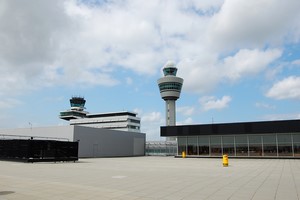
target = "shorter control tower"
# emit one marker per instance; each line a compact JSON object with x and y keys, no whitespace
{"x":76,"y":111}
{"x":170,"y":87}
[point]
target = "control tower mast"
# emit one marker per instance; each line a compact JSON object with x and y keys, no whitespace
{"x":170,"y":87}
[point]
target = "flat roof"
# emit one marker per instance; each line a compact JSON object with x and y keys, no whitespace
{"x":111,"y":114}
{"x":148,"y":178}
{"x":260,"y":127}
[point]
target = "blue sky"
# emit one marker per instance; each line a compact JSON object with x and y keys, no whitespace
{"x":240,"y":60}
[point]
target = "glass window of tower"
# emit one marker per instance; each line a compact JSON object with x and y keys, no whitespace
{"x":170,"y":86}
{"x":170,"y":71}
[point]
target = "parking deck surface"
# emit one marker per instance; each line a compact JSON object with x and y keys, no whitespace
{"x":163,"y":178}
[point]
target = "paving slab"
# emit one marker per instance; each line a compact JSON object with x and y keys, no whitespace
{"x":151,"y":178}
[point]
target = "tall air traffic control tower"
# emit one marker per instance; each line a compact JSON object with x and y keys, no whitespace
{"x":170,"y":87}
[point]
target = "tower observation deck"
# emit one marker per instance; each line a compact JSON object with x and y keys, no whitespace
{"x":76,"y":111}
{"x":170,"y":88}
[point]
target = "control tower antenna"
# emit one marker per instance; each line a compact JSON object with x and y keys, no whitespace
{"x":170,"y":88}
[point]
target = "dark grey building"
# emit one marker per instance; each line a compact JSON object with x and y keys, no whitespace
{"x":243,"y":139}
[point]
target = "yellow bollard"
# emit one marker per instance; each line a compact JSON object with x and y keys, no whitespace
{"x":225,"y":160}
{"x":183,"y":154}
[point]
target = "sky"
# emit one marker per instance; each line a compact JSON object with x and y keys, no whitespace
{"x":240,"y":60}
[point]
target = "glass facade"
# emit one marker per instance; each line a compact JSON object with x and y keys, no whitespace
{"x":251,"y":145}
{"x":161,"y":148}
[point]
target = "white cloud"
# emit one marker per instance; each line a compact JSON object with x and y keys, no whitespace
{"x":203,"y":75}
{"x":54,"y":43}
{"x":296,"y":62}
{"x":254,"y":23}
{"x":186,"y":110}
{"x":282,"y":116}
{"x":187,"y":121}
{"x":199,"y":75}
{"x":210,"y":103}
{"x":151,"y":123}
{"x":152,"y":117}
{"x":264,"y":105}
{"x":288,"y":88}
{"x":249,"y":62}
{"x":138,"y":111}
{"x":129,"y":81}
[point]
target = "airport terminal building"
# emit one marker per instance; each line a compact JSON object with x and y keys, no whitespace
{"x":274,"y":139}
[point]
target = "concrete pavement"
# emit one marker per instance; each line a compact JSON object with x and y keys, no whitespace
{"x":163,"y":178}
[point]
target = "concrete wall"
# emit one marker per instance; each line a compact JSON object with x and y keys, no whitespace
{"x":65,"y":132}
{"x":95,"y":142}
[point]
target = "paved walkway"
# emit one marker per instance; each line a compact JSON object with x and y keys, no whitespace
{"x":163,"y":178}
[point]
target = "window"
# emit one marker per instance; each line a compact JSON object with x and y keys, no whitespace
{"x":192,"y":148}
{"x":296,"y":144}
{"x":269,"y":144}
{"x":170,"y":71}
{"x":215,"y":144}
{"x":285,"y":145}
{"x":181,"y":145}
{"x":241,"y":145}
{"x":203,"y":142}
{"x":134,"y":121}
{"x":228,"y":145}
{"x":255,"y":145}
{"x":170,"y":86}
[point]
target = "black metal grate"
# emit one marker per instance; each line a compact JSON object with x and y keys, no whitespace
{"x":38,"y":150}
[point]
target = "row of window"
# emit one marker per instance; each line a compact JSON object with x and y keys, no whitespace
{"x":241,"y":145}
{"x":161,"y":148}
{"x":133,"y":127}
{"x":170,"y":86}
{"x":161,"y":151}
{"x":81,"y":105}
{"x":116,"y":127}
{"x":71,"y":113}
{"x":88,"y":121}
{"x":134,"y":121}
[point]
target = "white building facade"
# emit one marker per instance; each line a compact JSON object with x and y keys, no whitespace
{"x":123,"y":121}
